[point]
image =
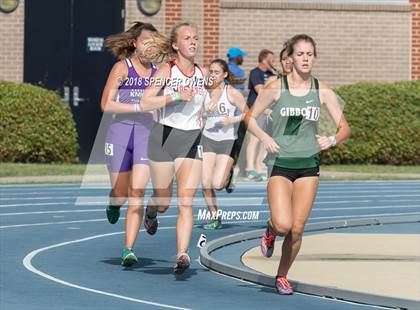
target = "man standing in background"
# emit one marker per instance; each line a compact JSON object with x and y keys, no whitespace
{"x":236,"y":58}
{"x":255,"y":151}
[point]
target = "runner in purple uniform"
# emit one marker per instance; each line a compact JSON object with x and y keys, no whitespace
{"x":128,"y":135}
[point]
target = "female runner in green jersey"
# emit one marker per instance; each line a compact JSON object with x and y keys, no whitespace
{"x":294,"y":147}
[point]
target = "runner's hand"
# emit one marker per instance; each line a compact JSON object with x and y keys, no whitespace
{"x":270,"y":145}
{"x":227,"y":120}
{"x":186,"y":95}
{"x":212,"y":106}
{"x":323,"y":142}
{"x":268,"y":112}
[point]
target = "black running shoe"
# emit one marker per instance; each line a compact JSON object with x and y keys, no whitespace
{"x":113,"y":213}
{"x":150,"y":224}
{"x":231,"y":183}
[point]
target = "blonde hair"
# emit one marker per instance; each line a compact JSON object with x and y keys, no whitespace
{"x":121,"y":44}
{"x":159,"y":47}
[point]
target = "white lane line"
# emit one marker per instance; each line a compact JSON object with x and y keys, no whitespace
{"x":258,"y":189}
{"x":220,"y":201}
{"x":318,"y":202}
{"x":73,"y":193}
{"x":71,"y":222}
{"x":92,"y":201}
{"x":325,"y":183}
{"x":99,"y":200}
{"x":370,"y":191}
{"x":70,"y":185}
{"x":220,"y":207}
{"x":34,"y":204}
{"x":175,"y":215}
{"x":343,"y":217}
{"x":20,"y":193}
{"x":228,"y":204}
{"x":41,"y":198}
{"x":258,"y":201}
{"x":74,"y":187}
{"x":329,"y":217}
{"x":6,"y":187}
{"x":262,"y":196}
{"x":57,"y":211}
{"x":364,"y":215}
{"x":368,"y":208}
{"x":320,"y":193}
{"x":27,"y":262}
{"x":368,"y":196}
{"x":52,"y":223}
{"x":371,"y":182}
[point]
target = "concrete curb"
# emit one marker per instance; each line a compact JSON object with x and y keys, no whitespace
{"x":331,"y":292}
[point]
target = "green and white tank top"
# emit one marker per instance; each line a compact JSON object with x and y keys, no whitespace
{"x":294,"y":126}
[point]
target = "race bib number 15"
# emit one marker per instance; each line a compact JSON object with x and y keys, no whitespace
{"x":109,"y":149}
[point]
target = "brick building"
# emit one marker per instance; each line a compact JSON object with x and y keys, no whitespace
{"x":357,"y":40}
{"x":374,"y":40}
{"x":415,"y":39}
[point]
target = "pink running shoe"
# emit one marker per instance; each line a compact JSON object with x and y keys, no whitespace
{"x":267,"y":242}
{"x":283,"y":287}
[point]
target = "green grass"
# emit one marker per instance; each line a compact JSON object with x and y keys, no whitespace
{"x":15,"y":170}
{"x":371,"y":168}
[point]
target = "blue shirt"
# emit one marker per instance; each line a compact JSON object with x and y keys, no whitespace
{"x":256,"y":77}
{"x":238,"y":73}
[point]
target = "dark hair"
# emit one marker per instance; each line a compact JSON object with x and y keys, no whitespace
{"x":230,"y":77}
{"x":121,"y":44}
{"x":263,"y":54}
{"x":299,"y":37}
{"x":282,"y":52}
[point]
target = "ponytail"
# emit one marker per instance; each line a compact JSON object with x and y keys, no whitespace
{"x":121,"y":44}
{"x":159,"y":47}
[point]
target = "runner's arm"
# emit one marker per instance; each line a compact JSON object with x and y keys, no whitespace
{"x":329,"y":98}
{"x":116,"y":77}
{"x":237,"y":99}
{"x":269,"y":94}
